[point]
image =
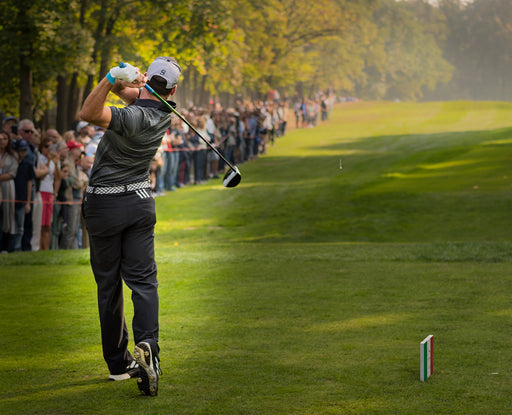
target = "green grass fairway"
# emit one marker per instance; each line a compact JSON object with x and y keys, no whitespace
{"x":309,"y":287}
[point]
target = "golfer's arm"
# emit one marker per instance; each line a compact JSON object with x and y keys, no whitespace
{"x":93,"y":109}
{"x":128,"y":95}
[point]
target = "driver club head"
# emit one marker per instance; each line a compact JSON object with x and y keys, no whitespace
{"x":232,"y":178}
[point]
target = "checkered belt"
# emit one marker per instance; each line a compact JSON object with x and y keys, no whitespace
{"x":103,"y":190}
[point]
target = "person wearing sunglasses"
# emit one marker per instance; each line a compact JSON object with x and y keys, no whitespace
{"x":26,"y":132}
{"x":32,"y":230}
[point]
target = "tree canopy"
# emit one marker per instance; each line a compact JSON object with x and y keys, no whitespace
{"x":55,"y":51}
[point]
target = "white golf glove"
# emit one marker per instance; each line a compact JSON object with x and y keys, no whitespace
{"x":124,"y":72}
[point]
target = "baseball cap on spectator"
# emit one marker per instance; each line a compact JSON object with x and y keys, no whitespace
{"x":20,"y":144}
{"x":10,"y":118}
{"x":73,"y":144}
{"x":80,"y":125}
{"x":167,"y":68}
{"x":90,"y":149}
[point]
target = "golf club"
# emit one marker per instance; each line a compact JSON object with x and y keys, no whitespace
{"x":232,"y":177}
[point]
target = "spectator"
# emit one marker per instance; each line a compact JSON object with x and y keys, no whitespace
{"x":254,"y":130}
{"x":86,"y":162}
{"x":84,"y":170}
{"x":41,"y":170}
{"x":199,"y":153}
{"x":297,"y":111}
{"x":324,"y":108}
{"x":8,"y":168}
{"x":10,"y":126}
{"x":62,"y":152}
{"x":304,"y":113}
{"x":64,"y":197}
{"x":174,"y":158}
{"x":184,"y":158}
{"x":23,"y":182}
{"x":69,"y":238}
{"x":54,"y":137}
{"x":214,"y":136}
{"x":172,"y":139}
{"x":48,"y":191}
{"x":98,"y":134}
{"x":59,"y":207}
{"x":159,"y":170}
{"x":231,"y":139}
{"x":265,"y":131}
{"x":69,"y":136}
{"x":283,"y":117}
{"x":240,"y":142}
{"x":313,"y":110}
{"x":32,"y":227}
{"x":85,"y":132}
{"x":92,"y":146}
{"x":222,"y":124}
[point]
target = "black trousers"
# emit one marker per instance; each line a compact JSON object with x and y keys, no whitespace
{"x":28,"y":229}
{"x":121,"y":235}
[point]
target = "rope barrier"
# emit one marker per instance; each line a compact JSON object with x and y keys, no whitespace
{"x":32,"y":202}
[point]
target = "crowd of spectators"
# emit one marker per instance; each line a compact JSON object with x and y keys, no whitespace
{"x":43,"y":174}
{"x":241,"y":133}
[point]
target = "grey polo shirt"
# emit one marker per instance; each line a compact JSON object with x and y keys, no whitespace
{"x":129,"y":144}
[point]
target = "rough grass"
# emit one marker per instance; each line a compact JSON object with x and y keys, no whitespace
{"x":307,"y":289}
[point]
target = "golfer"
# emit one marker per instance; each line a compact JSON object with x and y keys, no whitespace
{"x":119,"y":213}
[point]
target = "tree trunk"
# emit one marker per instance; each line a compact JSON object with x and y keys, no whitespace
{"x":105,"y":47}
{"x":202,"y":93}
{"x":194,"y":87}
{"x":26,"y":102}
{"x":184,"y":88}
{"x":73,"y":100}
{"x":26,"y":98}
{"x":62,"y":104}
{"x":98,"y":41}
{"x":88,"y":86}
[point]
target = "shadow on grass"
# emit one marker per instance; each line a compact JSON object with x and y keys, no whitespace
{"x":389,"y":188}
{"x":51,"y":386}
{"x":307,"y":326}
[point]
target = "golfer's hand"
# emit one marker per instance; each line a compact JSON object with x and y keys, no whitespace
{"x":124,"y":72}
{"x":136,"y":83}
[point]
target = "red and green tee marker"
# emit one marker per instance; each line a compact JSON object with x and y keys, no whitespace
{"x":426,"y":358}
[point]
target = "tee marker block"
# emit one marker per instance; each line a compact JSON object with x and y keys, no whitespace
{"x":426,"y":358}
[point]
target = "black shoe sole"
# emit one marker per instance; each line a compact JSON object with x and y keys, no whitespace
{"x":148,"y":376}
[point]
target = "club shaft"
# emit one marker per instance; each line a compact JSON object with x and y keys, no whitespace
{"x":190,"y":126}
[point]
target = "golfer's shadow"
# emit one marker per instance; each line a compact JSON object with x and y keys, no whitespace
{"x":50,"y":388}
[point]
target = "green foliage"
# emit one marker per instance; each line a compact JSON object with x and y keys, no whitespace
{"x":477,"y":43}
{"x":403,"y":59}
{"x":281,"y":35}
{"x":407,"y":50}
{"x":47,"y":35}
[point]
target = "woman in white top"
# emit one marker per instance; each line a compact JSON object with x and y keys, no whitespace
{"x":48,"y":192}
{"x":8,"y":168}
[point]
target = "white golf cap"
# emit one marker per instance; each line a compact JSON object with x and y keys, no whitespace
{"x":167,"y":68}
{"x":80,"y":125}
